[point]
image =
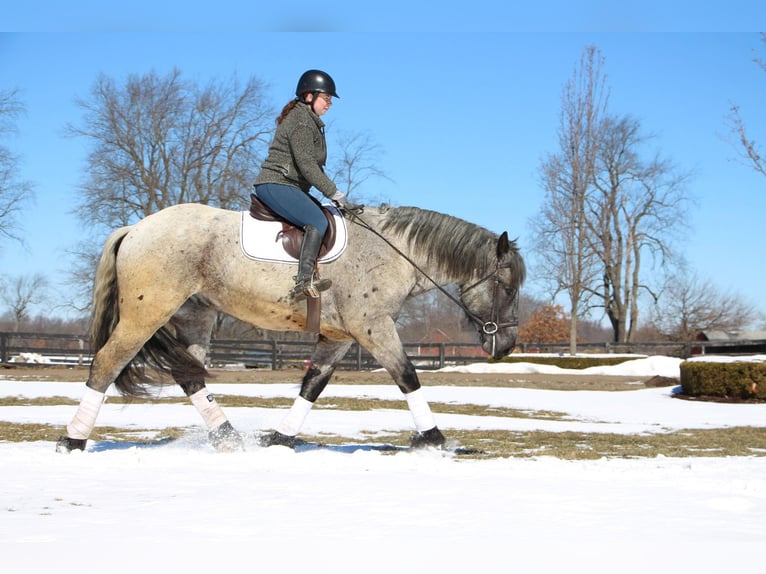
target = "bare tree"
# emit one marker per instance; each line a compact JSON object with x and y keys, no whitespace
{"x":690,"y":304}
{"x":434,"y":311}
{"x":562,"y":234}
{"x":85,"y":255}
{"x":357,"y":162}
{"x":749,"y":150}
{"x":20,"y":293}
{"x":414,"y":321}
{"x":159,"y":140}
{"x":14,"y":192}
{"x":606,"y":208}
{"x":632,"y":210}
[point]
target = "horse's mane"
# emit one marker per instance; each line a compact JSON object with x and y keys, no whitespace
{"x":458,"y":248}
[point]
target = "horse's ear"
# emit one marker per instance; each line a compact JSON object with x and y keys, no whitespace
{"x":503,"y":246}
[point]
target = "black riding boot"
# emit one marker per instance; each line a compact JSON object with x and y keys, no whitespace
{"x":305,"y":283}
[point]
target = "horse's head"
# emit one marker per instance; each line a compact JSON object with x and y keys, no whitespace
{"x":493,"y":300}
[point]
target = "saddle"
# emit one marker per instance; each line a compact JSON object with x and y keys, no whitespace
{"x":292,"y":235}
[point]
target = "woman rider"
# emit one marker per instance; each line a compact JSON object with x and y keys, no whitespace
{"x":295,"y":164}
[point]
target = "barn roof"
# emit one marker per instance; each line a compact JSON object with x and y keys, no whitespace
{"x":732,"y":336}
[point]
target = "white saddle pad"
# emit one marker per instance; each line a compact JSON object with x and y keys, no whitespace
{"x":262,"y":240}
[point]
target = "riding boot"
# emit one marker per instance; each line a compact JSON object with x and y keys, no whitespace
{"x":306,"y":284}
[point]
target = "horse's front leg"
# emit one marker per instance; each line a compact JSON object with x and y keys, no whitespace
{"x":382,"y":341}
{"x":327,"y":354}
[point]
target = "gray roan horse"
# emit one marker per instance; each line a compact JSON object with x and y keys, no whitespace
{"x":160,"y":283}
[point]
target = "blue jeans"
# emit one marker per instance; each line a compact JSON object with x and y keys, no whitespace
{"x":296,"y":206}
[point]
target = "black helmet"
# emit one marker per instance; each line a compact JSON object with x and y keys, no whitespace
{"x":316,"y":81}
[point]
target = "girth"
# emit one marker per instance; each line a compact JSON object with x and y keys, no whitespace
{"x":292,"y":235}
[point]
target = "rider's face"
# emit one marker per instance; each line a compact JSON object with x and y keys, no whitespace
{"x":321,"y":104}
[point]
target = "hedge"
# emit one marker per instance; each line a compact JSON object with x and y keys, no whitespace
{"x":734,"y":380}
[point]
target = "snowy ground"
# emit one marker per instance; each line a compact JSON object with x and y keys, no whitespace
{"x":184,"y":508}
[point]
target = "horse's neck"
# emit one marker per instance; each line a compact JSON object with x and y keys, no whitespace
{"x":432,"y":272}
{"x":444,"y":248}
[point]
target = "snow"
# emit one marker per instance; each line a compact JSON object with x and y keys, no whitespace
{"x":30,"y":358}
{"x":183,"y":508}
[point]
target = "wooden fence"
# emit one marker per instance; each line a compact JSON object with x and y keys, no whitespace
{"x":41,"y":348}
{"x":33,"y":348}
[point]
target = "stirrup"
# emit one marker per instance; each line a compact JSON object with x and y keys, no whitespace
{"x":308,"y":287}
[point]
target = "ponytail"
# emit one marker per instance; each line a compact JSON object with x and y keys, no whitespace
{"x":286,"y":110}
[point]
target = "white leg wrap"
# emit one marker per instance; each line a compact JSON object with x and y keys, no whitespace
{"x":209,"y":408}
{"x":421,"y":412}
{"x":292,"y":423}
{"x":85,"y":419}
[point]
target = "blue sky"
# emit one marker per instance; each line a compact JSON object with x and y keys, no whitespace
{"x":464,"y":117}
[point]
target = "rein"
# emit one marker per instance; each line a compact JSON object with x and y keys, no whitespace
{"x":489,"y":328}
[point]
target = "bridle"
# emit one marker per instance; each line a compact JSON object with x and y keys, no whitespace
{"x":487,"y":328}
{"x":492,"y":326}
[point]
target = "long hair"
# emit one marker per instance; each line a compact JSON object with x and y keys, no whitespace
{"x":286,"y":110}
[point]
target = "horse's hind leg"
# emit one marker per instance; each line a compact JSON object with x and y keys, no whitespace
{"x":327,"y":354}
{"x":123,"y":344}
{"x":193,"y":325}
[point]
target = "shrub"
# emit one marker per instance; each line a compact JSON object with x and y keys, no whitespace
{"x":735,"y":380}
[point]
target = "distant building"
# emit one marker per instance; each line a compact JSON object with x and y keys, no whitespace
{"x":731,"y":343}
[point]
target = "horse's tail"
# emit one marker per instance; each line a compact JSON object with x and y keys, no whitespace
{"x":162,"y":352}
{"x":105,"y":311}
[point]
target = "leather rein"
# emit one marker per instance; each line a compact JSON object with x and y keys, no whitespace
{"x":490,"y":327}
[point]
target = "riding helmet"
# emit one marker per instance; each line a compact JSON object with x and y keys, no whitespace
{"x":316,"y":81}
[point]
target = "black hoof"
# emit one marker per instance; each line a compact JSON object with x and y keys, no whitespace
{"x":430,"y":438}
{"x":276,"y":438}
{"x":225,"y":439}
{"x":66,"y":444}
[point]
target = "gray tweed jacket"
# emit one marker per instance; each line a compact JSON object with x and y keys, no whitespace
{"x":298,"y":153}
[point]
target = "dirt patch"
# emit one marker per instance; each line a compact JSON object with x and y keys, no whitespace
{"x":293,"y":376}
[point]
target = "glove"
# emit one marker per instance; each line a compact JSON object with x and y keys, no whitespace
{"x":342,"y":203}
{"x":339,"y":199}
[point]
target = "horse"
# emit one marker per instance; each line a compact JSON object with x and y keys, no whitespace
{"x":161,"y":282}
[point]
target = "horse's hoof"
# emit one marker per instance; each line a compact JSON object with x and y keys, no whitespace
{"x":430,"y":438}
{"x":225,"y":439}
{"x":66,"y":444}
{"x":276,"y":438}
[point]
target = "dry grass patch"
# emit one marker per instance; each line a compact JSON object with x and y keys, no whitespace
{"x":30,"y":432}
{"x":334,"y":403}
{"x":482,"y":444}
{"x":738,"y":441}
{"x":37,"y":402}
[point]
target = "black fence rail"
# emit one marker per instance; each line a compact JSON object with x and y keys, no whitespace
{"x":23,"y":348}
{"x":51,"y":349}
{"x":56,"y":349}
{"x":290,"y":354}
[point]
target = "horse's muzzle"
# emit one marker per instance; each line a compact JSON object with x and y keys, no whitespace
{"x":499,"y":344}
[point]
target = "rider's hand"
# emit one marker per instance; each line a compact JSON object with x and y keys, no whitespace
{"x":341,"y":202}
